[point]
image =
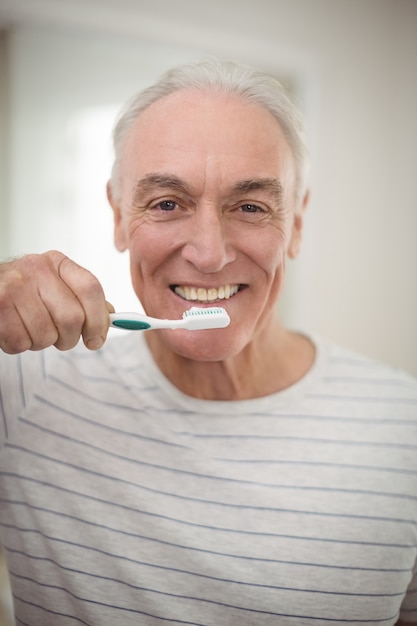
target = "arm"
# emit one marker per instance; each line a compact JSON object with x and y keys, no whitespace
{"x":46,"y":300}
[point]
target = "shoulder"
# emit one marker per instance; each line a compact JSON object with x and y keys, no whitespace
{"x":352,"y":367}
{"x":360,"y":386}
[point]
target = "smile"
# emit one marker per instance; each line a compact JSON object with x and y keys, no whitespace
{"x":200,"y":294}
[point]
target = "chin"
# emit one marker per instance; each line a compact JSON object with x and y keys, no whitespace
{"x":201,"y":345}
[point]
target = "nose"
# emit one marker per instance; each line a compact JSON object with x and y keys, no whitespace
{"x":207,"y":245}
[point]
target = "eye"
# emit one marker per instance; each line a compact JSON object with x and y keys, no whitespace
{"x":167,"y":205}
{"x":251,"y":208}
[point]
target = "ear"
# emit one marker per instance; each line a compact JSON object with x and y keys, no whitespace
{"x":120,"y":239}
{"x":297,"y":227}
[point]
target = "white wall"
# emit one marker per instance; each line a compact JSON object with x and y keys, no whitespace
{"x":353,"y":65}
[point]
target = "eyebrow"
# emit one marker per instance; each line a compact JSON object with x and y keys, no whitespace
{"x":158,"y":181}
{"x":272,"y":186}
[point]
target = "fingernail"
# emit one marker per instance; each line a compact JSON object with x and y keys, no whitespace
{"x":95,"y":343}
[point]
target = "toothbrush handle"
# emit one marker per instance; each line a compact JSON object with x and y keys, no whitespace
{"x":129,"y":321}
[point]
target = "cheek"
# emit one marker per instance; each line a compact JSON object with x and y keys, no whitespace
{"x":142,"y":242}
{"x":149,"y":247}
{"x":140,"y":253}
{"x":143,"y":258}
{"x":269,"y":251}
{"x":270,"y":257}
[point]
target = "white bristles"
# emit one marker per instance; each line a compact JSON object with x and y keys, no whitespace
{"x":198,"y":318}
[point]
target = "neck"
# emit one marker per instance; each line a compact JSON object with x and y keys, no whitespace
{"x":272,"y":363}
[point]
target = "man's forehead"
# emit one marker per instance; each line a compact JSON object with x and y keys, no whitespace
{"x":191,"y":106}
{"x":242,"y":149}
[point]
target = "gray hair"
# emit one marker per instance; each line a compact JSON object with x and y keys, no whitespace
{"x":231,"y":79}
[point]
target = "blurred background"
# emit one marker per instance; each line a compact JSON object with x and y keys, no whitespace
{"x":66,"y":66}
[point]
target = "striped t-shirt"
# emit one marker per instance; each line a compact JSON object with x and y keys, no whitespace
{"x":125,"y":502}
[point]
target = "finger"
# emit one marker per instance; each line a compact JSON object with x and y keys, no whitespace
{"x":14,"y":337}
{"x":39,"y":325}
{"x":110,"y":308}
{"x":49,"y":309}
{"x":90,"y":296}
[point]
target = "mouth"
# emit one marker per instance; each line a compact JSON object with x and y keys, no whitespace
{"x":201,"y":294}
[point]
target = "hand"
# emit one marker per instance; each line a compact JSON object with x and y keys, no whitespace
{"x":47,"y":299}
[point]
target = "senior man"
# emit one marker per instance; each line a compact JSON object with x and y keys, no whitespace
{"x":243,"y":475}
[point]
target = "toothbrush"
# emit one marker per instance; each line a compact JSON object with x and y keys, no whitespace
{"x":196,"y":318}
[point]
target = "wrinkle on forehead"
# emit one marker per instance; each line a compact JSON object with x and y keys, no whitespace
{"x":152,"y":181}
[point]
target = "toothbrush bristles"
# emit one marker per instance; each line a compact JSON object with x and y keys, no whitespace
{"x":195,"y":310}
{"x":201,"y":318}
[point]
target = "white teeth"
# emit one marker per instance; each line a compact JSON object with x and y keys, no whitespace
{"x":206,"y":295}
